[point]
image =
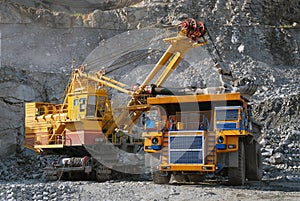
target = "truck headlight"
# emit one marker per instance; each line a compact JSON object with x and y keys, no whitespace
{"x":154,"y":140}
{"x":220,"y":139}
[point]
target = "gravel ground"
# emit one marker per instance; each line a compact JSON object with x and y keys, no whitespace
{"x":204,"y":191}
{"x":24,"y":181}
{"x":34,"y":190}
{"x":146,"y":190}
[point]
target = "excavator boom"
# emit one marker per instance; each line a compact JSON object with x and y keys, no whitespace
{"x":189,"y":37}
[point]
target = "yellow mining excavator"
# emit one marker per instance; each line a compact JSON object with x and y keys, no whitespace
{"x":83,"y":128}
{"x":96,"y":143}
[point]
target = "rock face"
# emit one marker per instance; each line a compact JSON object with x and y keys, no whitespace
{"x":259,"y":39}
{"x":280,"y":136}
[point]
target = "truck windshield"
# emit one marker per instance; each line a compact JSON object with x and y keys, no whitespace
{"x":154,"y":119}
{"x":225,"y":115}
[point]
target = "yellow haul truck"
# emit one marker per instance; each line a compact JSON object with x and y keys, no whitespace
{"x":198,"y":132}
{"x":202,"y":134}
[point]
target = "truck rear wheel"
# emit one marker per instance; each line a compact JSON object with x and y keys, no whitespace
{"x":254,"y":171}
{"x":236,"y":175}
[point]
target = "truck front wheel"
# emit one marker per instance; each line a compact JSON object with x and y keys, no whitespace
{"x":254,"y":171}
{"x":236,"y":175}
{"x":160,"y":178}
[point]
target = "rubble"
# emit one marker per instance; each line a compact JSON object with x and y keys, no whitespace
{"x":40,"y":191}
{"x":24,"y":167}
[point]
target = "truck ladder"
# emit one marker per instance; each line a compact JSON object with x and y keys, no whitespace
{"x":165,"y":149}
{"x":210,"y":149}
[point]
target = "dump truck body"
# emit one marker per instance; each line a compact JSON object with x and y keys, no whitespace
{"x":203,"y":134}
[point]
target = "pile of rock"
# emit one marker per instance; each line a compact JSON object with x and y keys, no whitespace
{"x":281,"y":160}
{"x":40,"y":191}
{"x":280,"y":137}
{"x":26,"y":167}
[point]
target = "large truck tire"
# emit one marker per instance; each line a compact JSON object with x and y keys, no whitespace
{"x":236,"y":175}
{"x":159,"y":178}
{"x":254,"y":171}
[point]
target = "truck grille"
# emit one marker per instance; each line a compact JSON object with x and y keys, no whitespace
{"x":185,"y":147}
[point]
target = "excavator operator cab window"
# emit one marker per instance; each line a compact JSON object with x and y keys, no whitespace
{"x":100,"y":106}
{"x":95,"y":106}
{"x":91,"y":106}
{"x":82,"y":104}
{"x":75,"y":102}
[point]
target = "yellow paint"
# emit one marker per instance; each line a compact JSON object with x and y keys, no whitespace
{"x":193,"y":98}
{"x":187,"y":167}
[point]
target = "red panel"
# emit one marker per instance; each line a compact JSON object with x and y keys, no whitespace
{"x":75,"y":138}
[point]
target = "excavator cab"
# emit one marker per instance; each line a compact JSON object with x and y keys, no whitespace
{"x":77,"y":106}
{"x":87,"y":106}
{"x":86,"y":99}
